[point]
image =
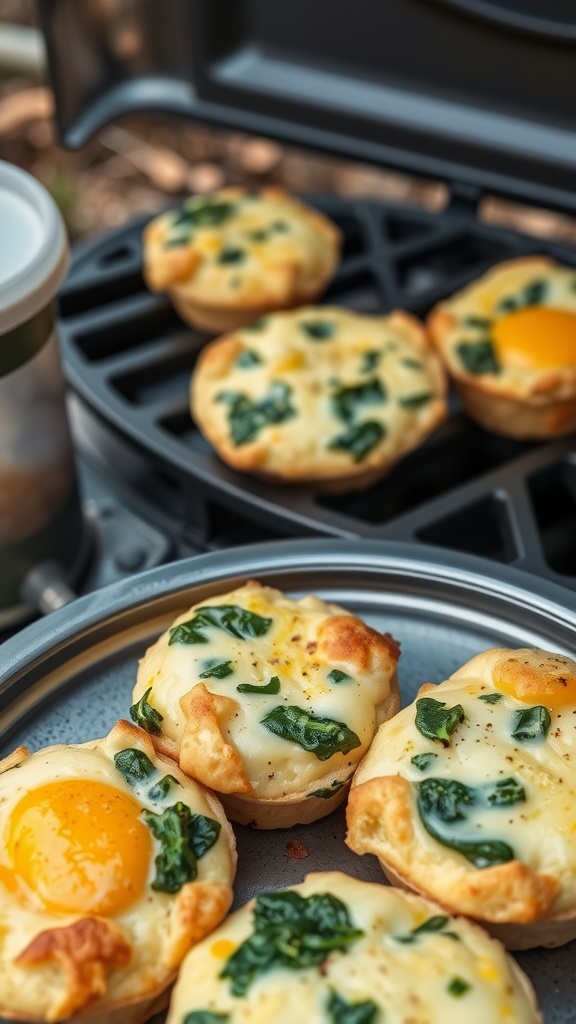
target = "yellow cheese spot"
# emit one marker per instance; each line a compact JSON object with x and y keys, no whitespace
{"x":80,"y":846}
{"x":222,"y":949}
{"x":208,"y":243}
{"x":487,"y":970}
{"x":293,"y":361}
{"x":536,"y":338}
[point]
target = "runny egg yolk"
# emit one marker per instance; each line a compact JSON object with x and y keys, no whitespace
{"x":79,"y":845}
{"x":536,"y":338}
{"x":553,"y":691}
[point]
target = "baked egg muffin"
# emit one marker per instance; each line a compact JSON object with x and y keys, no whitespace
{"x":469,"y":796}
{"x":319,"y":395}
{"x":227,"y":258}
{"x":509,"y":342}
{"x":112,"y":865}
{"x":334,"y":950}
{"x":270,"y":701}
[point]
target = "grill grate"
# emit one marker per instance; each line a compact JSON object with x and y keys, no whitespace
{"x":129,"y":358}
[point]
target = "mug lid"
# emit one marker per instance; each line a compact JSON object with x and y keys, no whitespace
{"x":33,"y":247}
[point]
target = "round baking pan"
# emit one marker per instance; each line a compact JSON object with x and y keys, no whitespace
{"x":68,"y":678}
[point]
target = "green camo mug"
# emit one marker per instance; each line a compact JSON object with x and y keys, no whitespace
{"x":40,"y":511}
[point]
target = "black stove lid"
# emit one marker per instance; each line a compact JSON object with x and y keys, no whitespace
{"x":479,"y":92}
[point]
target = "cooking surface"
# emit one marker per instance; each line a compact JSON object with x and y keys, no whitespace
{"x":73,"y":676}
{"x":129,"y":358}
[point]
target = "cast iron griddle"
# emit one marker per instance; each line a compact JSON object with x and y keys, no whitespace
{"x":129,"y":359}
{"x":68,"y":678}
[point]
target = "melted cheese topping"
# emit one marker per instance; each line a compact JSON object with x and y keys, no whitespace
{"x":73,"y":843}
{"x":266,"y":248}
{"x":536,"y":338}
{"x":386,"y":356}
{"x":408,"y":981}
{"x":276,"y":767}
{"x":483,"y":752}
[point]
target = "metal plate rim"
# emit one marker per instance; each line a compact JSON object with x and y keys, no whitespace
{"x":512,"y":587}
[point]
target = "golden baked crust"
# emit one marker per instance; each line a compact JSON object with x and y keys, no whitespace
{"x":406,"y":962}
{"x":117,"y":966}
{"x":468,"y":817}
{"x":530,"y":394}
{"x":315,"y":659}
{"x":320,"y":395}
{"x":232,"y":256}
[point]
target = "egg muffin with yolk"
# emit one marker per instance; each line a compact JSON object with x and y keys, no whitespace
{"x":468,"y":796}
{"x":269,"y":700}
{"x":509,"y":342}
{"x":113,"y":864}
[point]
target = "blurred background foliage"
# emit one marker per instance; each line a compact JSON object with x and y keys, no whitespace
{"x":146,"y":163}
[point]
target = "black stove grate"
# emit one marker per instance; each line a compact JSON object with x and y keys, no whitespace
{"x":128,"y":357}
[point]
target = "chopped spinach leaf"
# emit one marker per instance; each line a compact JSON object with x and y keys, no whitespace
{"x":247,"y":359}
{"x":437,"y":722}
{"x":534,"y":293}
{"x":423,"y":761}
{"x":504,"y":793}
{"x":204,"y":213}
{"x":346,"y":400}
{"x":323,"y":737}
{"x":360,"y":439}
{"x":184,"y":838}
{"x":326,"y":794}
{"x":231,"y":254}
{"x":272,"y":687}
{"x":258,"y":236}
{"x":508,"y":305}
{"x":370,"y":361}
{"x":338,"y":676}
{"x":531,"y":724}
{"x":134,"y":765}
{"x":443,"y":801}
{"x":290,"y":931}
{"x":478,"y":356}
{"x":175,"y":241}
{"x":342,"y":1012}
{"x":318,"y":330}
{"x":412,"y":364}
{"x":162,"y":788}
{"x":258,"y":325}
{"x":415,"y":401}
{"x":235,"y":621}
{"x":205,"y":1017}
{"x":478,"y":321}
{"x":146,"y":716}
{"x":432,"y":925}
{"x":217,"y":670}
{"x":490,"y":698}
{"x":247,"y":417}
{"x":280,"y":226}
{"x":458,"y":987}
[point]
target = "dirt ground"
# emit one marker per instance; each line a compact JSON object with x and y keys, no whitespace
{"x":145,"y":162}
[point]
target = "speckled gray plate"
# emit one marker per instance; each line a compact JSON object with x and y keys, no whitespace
{"x":68,"y":678}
